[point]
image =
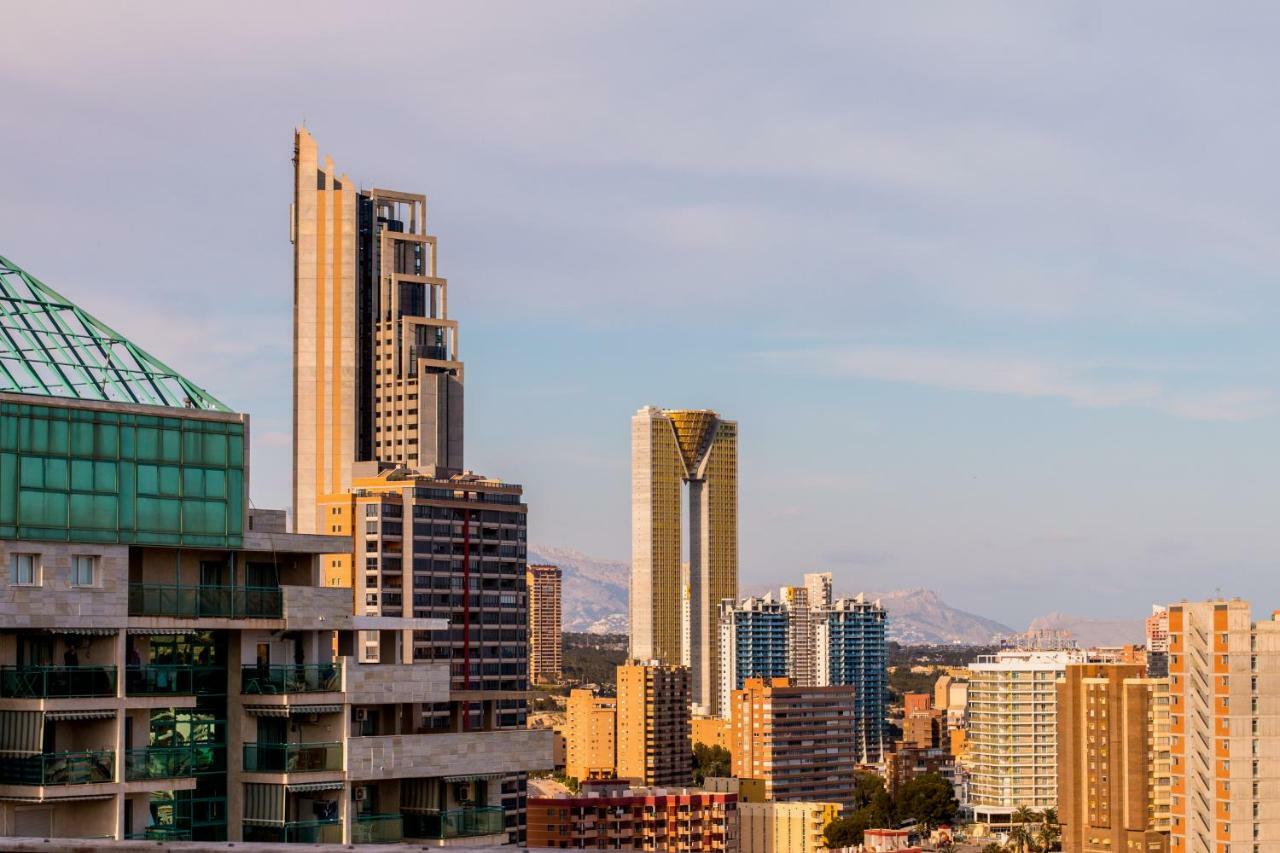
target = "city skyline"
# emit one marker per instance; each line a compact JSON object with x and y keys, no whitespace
{"x":1010,"y":347}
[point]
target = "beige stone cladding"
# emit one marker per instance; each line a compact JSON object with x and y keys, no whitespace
{"x":447,"y":754}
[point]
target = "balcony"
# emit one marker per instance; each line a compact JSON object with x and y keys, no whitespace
{"x":455,"y":823}
{"x":171,"y":679}
{"x":292,"y":757}
{"x":283,"y":678}
{"x":57,"y":682}
{"x":217,"y":602}
{"x":377,"y":829}
{"x":296,"y":832}
{"x":60,"y":768}
{"x":160,"y":832}
{"x":173,"y":762}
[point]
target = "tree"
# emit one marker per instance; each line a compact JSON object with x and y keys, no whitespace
{"x":710,"y":761}
{"x":1023,"y":834}
{"x":993,"y":847}
{"x":927,"y":799}
{"x":847,"y":831}
{"x":1050,"y":830}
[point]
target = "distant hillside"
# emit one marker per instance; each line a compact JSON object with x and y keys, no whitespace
{"x":1093,"y":632}
{"x":919,"y":616}
{"x":595,"y":590}
{"x":595,"y":601}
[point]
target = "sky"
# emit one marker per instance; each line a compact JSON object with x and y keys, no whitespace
{"x":990,"y":288}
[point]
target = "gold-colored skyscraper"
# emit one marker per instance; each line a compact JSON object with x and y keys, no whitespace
{"x":668,"y":449}
{"x":545,"y":638}
{"x":1113,"y":758}
{"x":377,"y":375}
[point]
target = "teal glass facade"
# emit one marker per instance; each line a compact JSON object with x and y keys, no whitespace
{"x":73,"y":474}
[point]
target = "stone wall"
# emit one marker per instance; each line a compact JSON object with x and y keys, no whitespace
{"x":432,"y":755}
{"x":55,"y":602}
{"x":378,"y":684}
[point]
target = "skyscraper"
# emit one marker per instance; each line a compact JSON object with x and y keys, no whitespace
{"x":544,"y":624}
{"x":377,"y":375}
{"x":670,"y":448}
{"x":819,"y":586}
{"x":850,"y":638}
{"x":1224,"y":705}
{"x":1113,"y":758}
{"x":801,"y":651}
{"x":753,"y":643}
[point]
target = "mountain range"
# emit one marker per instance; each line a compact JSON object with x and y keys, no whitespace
{"x":594,"y":600}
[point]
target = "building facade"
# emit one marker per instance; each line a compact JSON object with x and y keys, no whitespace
{"x":1012,"y":739}
{"x":784,"y":827}
{"x":754,"y":643}
{"x":590,"y":727}
{"x":614,"y":816}
{"x":654,"y":745}
{"x":799,"y":742}
{"x":850,"y":637}
{"x":670,"y":448}
{"x":1224,"y":705}
{"x":545,"y":637}
{"x":1113,"y":758}
{"x":801,"y":649}
{"x":1158,"y":642}
{"x":377,"y":375}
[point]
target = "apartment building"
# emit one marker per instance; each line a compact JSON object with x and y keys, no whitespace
{"x":802,"y":667}
{"x":545,"y":634}
{"x":755,"y":640}
{"x":610,"y":815}
{"x":1158,"y":642}
{"x":800,"y":743}
{"x":653,"y":734}
{"x":910,"y":762}
{"x":172,"y":666}
{"x":1113,"y":758}
{"x":850,"y":635}
{"x":1012,"y":739}
{"x":1224,"y":706}
{"x":784,"y":827}
{"x":669,"y":449}
{"x":589,"y":734}
{"x":923,"y":725}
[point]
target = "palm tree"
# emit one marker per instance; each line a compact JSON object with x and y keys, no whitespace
{"x":1050,"y":830}
{"x":1021,"y":834}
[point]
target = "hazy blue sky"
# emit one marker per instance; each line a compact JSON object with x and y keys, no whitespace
{"x":991,"y":288}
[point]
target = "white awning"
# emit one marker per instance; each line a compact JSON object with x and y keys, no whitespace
{"x":303,"y":787}
{"x":103,"y":714}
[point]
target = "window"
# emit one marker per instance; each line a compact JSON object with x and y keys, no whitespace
{"x":25,"y":570}
{"x":84,"y":570}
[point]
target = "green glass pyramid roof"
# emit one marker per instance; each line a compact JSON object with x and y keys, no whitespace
{"x":51,"y":347}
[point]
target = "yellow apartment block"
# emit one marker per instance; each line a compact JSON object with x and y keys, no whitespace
{"x":590,"y":723}
{"x":784,"y":827}
{"x":653,"y":733}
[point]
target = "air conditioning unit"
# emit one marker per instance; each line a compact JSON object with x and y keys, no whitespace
{"x":361,"y":793}
{"x":462,"y":792}
{"x":362,"y":714}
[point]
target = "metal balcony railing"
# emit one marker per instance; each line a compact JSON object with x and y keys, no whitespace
{"x":292,"y":757}
{"x":173,"y":762}
{"x":283,"y":678}
{"x":57,"y":682}
{"x":377,"y":829}
{"x":455,"y":823}
{"x":60,"y":768}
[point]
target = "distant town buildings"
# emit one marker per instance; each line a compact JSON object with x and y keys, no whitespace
{"x":1013,"y":732}
{"x":1113,"y":758}
{"x":1158,"y":642}
{"x":670,"y":448}
{"x":611,"y":815}
{"x":653,"y":738}
{"x":1224,"y":705}
{"x":545,"y":637}
{"x":799,"y":743}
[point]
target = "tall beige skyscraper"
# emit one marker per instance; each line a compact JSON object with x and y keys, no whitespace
{"x":377,"y":374}
{"x":545,"y":639}
{"x":1224,"y":705}
{"x":819,"y":586}
{"x":668,"y":449}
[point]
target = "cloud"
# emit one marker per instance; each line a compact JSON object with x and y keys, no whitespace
{"x":957,"y":370}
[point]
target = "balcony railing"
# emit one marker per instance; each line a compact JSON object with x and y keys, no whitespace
{"x":57,"y":682}
{"x":455,"y":823}
{"x":60,"y":768}
{"x":282,"y":678}
{"x":228,"y":602}
{"x":172,"y":679}
{"x":377,"y":829}
{"x":173,"y":762}
{"x":292,"y":757}
{"x":296,"y":832}
{"x":160,"y":832}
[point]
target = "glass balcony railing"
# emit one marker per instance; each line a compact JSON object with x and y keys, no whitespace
{"x":173,"y":762}
{"x":227,"y":602}
{"x":160,"y":832}
{"x":57,"y":682}
{"x":296,"y":832}
{"x":170,"y":679}
{"x":282,"y":678}
{"x":377,"y":829}
{"x":455,"y":823}
{"x":292,"y":757}
{"x":60,"y":768}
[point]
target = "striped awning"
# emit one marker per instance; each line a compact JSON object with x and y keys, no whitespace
{"x":304,"y":787}
{"x":102,"y":714}
{"x":179,"y":629}
{"x":474,"y":777}
{"x":416,"y":796}
{"x":297,"y":710}
{"x":264,"y":804}
{"x":267,"y":710}
{"x":92,"y":632}
{"x":21,"y":733}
